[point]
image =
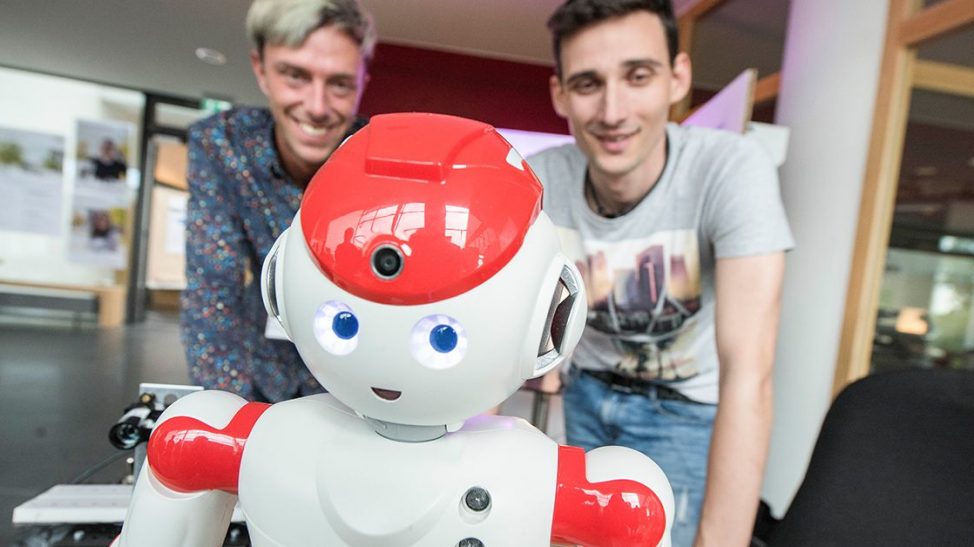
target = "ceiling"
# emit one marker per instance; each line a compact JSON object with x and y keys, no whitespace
{"x":149,"y":44}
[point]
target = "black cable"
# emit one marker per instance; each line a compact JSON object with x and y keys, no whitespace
{"x":87,"y":473}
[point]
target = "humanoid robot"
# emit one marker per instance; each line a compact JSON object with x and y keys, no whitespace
{"x":422,"y":285}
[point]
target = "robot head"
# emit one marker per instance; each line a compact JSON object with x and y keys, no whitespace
{"x":420,"y":280}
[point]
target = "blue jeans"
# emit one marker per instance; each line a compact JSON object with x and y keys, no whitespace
{"x":675,"y":434}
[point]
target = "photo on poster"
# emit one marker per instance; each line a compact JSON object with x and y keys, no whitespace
{"x":103,"y":156}
{"x":31,"y":181}
{"x":98,"y":233}
{"x":102,"y":150}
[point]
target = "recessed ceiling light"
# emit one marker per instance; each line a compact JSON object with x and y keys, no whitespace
{"x":211,"y":56}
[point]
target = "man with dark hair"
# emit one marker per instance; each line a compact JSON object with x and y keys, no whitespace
{"x":680,"y":235}
{"x":248,"y":168}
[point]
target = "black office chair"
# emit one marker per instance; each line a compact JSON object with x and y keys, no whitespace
{"x":893,"y":465}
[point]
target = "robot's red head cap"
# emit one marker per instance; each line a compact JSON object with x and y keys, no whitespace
{"x":416,"y":208}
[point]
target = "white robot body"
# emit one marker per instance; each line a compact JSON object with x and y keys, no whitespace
{"x":296,"y":489}
{"x":412,"y":493}
{"x":421,"y":284}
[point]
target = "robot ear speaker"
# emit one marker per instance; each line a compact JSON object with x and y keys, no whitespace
{"x":271,"y":284}
{"x":269,"y":279}
{"x":553,"y":350}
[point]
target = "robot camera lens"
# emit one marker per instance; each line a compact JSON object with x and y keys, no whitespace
{"x":124,"y":435}
{"x":387,"y":262}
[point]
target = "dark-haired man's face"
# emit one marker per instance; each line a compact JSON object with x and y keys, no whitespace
{"x":615,"y":90}
{"x":314,"y":91}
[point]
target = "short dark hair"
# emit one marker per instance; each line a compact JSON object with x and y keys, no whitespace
{"x":575,"y":15}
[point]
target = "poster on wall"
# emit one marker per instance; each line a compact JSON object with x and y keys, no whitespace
{"x":102,"y":158}
{"x":98,"y":232}
{"x":103,"y":194}
{"x":31,"y":181}
{"x":166,"y":259}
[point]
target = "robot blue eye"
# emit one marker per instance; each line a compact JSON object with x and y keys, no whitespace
{"x":336,"y":328}
{"x":438,"y":342}
{"x":345,"y":325}
{"x":443,"y":338}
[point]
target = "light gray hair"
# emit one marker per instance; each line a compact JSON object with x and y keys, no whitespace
{"x":289,"y":22}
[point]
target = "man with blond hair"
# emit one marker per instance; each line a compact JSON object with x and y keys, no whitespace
{"x":248,"y":168}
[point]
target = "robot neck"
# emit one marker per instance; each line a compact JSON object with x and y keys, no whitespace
{"x":407,"y":433}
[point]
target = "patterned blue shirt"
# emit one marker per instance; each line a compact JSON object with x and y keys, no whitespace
{"x":240,"y":201}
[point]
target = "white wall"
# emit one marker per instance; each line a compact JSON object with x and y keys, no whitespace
{"x":47,"y":104}
{"x":830,"y":71}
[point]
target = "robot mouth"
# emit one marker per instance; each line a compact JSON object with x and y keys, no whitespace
{"x":386,"y":394}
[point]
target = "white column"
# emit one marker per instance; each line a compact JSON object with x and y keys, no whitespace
{"x":830,"y":70}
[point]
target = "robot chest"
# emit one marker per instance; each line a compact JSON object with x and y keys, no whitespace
{"x":366,"y":490}
{"x":394,"y":490}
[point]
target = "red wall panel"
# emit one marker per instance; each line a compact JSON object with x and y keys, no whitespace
{"x":501,"y":93}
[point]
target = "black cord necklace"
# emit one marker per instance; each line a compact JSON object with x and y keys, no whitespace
{"x":599,"y":208}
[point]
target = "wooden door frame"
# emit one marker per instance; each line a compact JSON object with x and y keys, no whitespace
{"x":907,"y":27}
{"x":687,"y":16}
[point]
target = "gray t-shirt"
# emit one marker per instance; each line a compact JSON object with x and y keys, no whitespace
{"x":650,"y":273}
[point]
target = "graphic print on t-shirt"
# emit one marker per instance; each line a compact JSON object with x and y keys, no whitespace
{"x":644,"y":294}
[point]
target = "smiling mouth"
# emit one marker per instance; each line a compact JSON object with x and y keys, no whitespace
{"x":314,"y":130}
{"x":615,"y":137}
{"x":386,"y":394}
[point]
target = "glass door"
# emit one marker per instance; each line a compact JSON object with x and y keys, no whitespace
{"x":925,"y":316}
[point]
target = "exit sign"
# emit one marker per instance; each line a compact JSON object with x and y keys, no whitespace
{"x":212,"y":106}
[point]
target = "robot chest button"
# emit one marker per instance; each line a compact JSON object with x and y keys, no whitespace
{"x":477,"y":499}
{"x":475,"y":506}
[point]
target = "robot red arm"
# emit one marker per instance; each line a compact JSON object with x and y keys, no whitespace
{"x":188,"y":455}
{"x":619,"y":512}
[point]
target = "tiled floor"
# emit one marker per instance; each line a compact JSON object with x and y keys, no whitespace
{"x":62,"y":387}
